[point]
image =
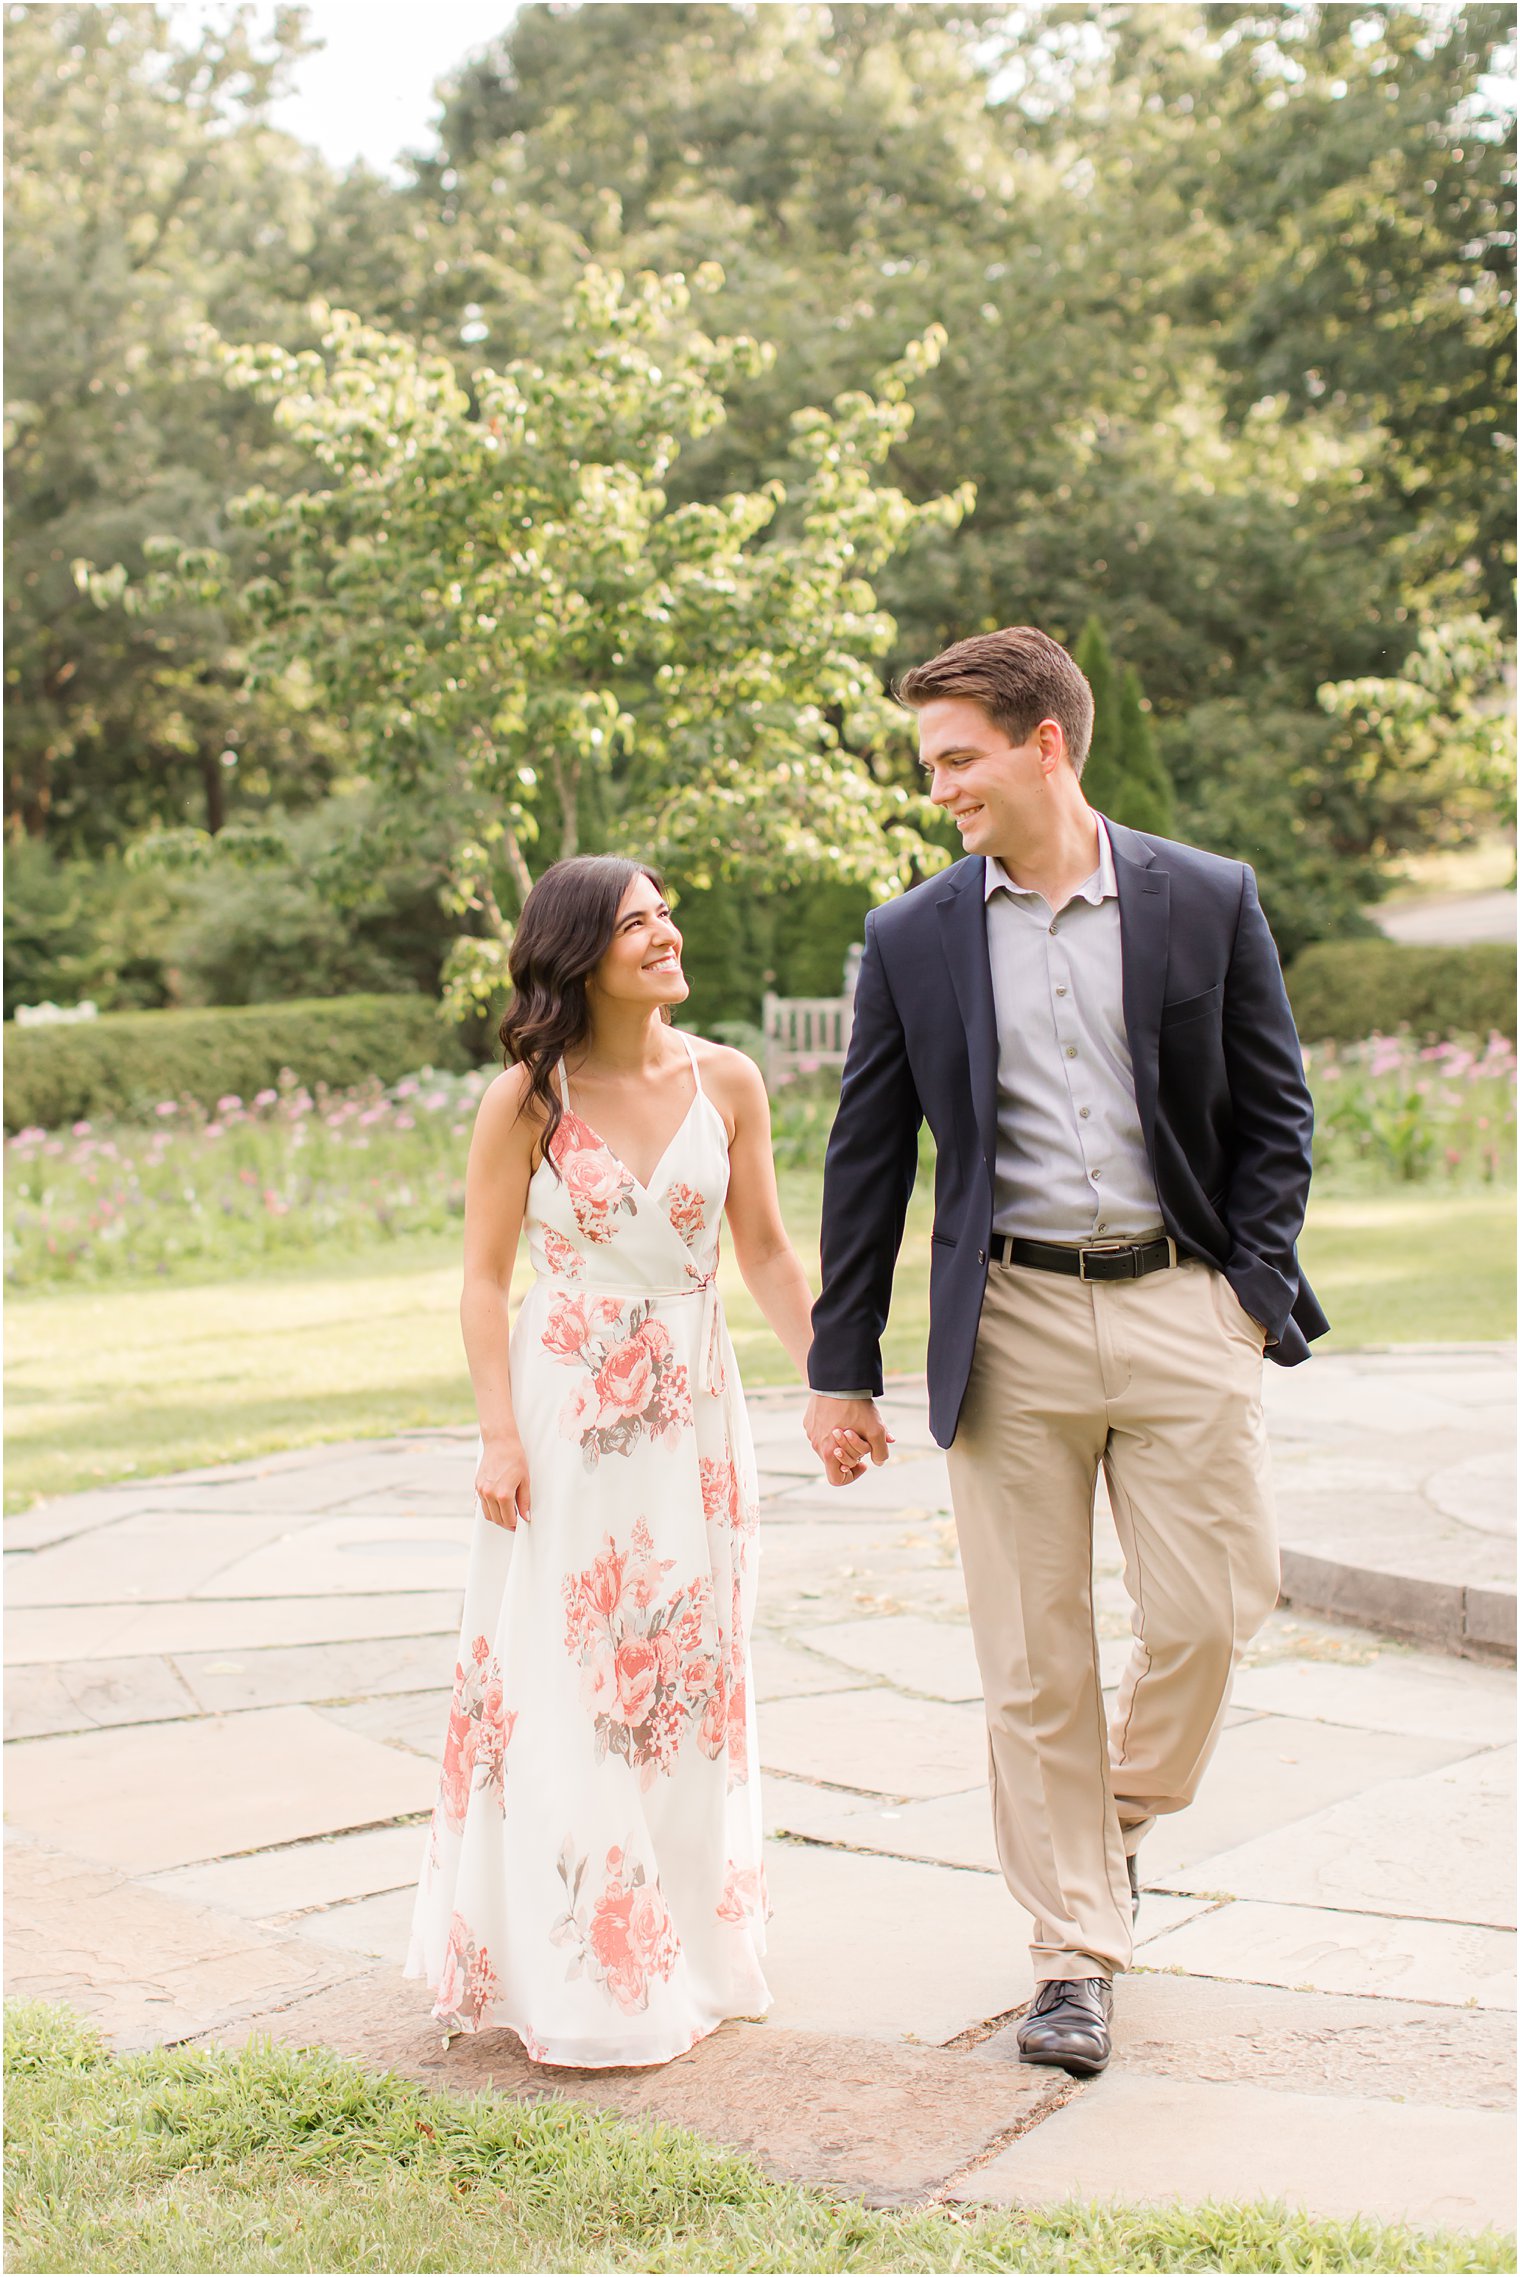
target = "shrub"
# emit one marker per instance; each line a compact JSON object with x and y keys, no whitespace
{"x":124,"y":1064}
{"x":1343,"y":990}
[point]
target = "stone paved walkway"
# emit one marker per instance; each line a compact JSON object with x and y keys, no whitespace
{"x":226,"y":1696}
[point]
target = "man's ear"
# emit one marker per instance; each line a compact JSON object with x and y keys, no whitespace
{"x":1051,"y":738}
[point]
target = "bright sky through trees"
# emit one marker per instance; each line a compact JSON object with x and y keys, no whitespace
{"x":368,"y":91}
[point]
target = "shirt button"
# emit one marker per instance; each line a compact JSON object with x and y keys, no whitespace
{"x":1071,"y":1051}
{"x":1084,"y":1112}
{"x":1100,"y":1227}
{"x":1095,"y":1174}
{"x":1052,"y":924}
{"x":1060,"y":992}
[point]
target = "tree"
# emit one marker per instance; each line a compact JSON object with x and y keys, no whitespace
{"x":1103,"y":774}
{"x":1146,"y":800}
{"x":534,"y":648}
{"x":143,"y":195}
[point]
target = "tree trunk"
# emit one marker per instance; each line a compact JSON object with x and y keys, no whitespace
{"x":214,"y":782}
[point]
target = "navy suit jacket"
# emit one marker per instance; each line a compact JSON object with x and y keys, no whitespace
{"x":1219,"y":1083}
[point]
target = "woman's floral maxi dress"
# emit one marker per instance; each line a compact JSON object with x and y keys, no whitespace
{"x":593,"y":1873}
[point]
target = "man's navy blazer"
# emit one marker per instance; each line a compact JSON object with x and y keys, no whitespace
{"x":1219,"y":1082}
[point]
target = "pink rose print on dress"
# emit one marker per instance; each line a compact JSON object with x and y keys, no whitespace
{"x":634,"y":1387}
{"x":723,"y":1498}
{"x":468,"y":1984}
{"x":562,"y":1256}
{"x":479,"y":1733}
{"x":627,"y":1942}
{"x":686,"y":1210}
{"x":594,"y":1179}
{"x":744,"y":1894}
{"x":650,"y":1661}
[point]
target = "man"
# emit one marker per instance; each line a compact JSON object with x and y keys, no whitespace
{"x":1095,"y":1025}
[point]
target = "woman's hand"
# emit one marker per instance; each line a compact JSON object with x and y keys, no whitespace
{"x":501,"y":1481}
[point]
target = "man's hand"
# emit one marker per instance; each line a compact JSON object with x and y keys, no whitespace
{"x":842,"y":1432}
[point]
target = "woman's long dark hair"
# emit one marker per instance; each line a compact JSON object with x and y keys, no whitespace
{"x":564,"y":932}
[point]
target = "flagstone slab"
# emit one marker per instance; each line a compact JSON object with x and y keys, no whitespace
{"x":1315,"y":2043}
{"x":242,"y":1624}
{"x":414,"y":1721}
{"x":876,"y":1741}
{"x":1479,"y":1491}
{"x":159,"y":1795}
{"x":1143,"y":2140}
{"x":69,"y":1515}
{"x":272,"y":1676}
{"x":1311,"y":1949}
{"x":1436,"y":1848}
{"x":843,"y":2113}
{"x":909,"y":1482}
{"x":786,"y":1671}
{"x":935,"y":1657}
{"x":948,"y":1830}
{"x":1396,"y":1690}
{"x":377,"y":1928}
{"x":338,"y":1554}
{"x":145,"y":1966}
{"x":888,"y":1948}
{"x":92,"y":1694}
{"x":272,"y":1885}
{"x":1268,"y":1777}
{"x":155,"y":1555}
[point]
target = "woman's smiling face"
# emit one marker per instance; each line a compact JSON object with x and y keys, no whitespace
{"x":642,"y":964}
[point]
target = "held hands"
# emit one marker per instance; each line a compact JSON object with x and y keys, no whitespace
{"x":501,"y":1481}
{"x":842,"y":1432}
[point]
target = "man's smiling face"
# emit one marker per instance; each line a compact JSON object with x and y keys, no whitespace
{"x":990,"y":787}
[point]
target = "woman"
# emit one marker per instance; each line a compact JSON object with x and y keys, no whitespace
{"x":593,"y":1875}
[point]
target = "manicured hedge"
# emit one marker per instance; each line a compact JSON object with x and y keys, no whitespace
{"x":124,"y":1063}
{"x":1343,"y":990}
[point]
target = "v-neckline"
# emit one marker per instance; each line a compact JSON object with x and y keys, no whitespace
{"x":627,"y":1167}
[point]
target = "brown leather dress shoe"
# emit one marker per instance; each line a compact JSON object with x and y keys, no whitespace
{"x":1067,"y":2025}
{"x":1132,"y":1868}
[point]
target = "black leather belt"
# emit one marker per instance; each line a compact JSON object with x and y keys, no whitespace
{"x":1116,"y":1263}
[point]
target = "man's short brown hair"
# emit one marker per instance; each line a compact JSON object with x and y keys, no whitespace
{"x":1018,"y":677}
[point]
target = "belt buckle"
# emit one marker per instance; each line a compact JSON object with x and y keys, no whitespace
{"x":1126,"y":1249}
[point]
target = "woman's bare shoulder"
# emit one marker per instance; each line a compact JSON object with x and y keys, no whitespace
{"x":731,"y":1077}
{"x":507,"y":1106}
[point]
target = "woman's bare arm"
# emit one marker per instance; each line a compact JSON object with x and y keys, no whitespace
{"x":772,"y":1270}
{"x":495,"y":1201}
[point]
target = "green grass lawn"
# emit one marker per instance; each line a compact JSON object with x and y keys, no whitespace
{"x":270,"y":2160}
{"x":113,"y":1383}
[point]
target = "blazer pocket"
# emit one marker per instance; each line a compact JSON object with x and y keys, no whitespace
{"x":945,"y":1240}
{"x":1190,"y":1008}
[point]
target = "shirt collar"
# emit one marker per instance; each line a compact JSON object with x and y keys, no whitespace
{"x":1101,"y":886}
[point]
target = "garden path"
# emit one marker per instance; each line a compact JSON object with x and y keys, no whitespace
{"x":226,"y":1696}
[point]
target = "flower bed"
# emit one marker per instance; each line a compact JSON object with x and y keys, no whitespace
{"x":291,"y":1171}
{"x":245,"y":1185}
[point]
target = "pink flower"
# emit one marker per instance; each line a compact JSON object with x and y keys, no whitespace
{"x":592,"y":1175}
{"x":652,"y":1938}
{"x":580,"y":1411}
{"x":608,"y":1939}
{"x":227,"y":1105}
{"x":566,"y":1332}
{"x":81,"y":1130}
{"x":603,"y":1581}
{"x":637,"y":1670}
{"x":741,"y":1893}
{"x":700,"y":1674}
{"x":625,"y":1381}
{"x":599,"y":1686}
{"x":667,"y":1655}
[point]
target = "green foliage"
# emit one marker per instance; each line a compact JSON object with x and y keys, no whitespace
{"x":1125,"y":776}
{"x":271,"y":2156}
{"x":1341,"y":990}
{"x":77,"y":930}
{"x":128,"y":1064}
{"x":536,"y":646}
{"x":47,"y":927}
{"x":1427,"y":757}
{"x":1103,"y":774}
{"x":143,"y":194}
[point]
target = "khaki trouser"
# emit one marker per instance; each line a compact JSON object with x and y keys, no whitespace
{"x":1159,"y":1380}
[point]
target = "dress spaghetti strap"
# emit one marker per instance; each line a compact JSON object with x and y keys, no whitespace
{"x":691,"y":1053}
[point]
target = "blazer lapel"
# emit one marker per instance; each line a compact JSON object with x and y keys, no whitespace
{"x":1144,"y":929}
{"x":963,"y":920}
